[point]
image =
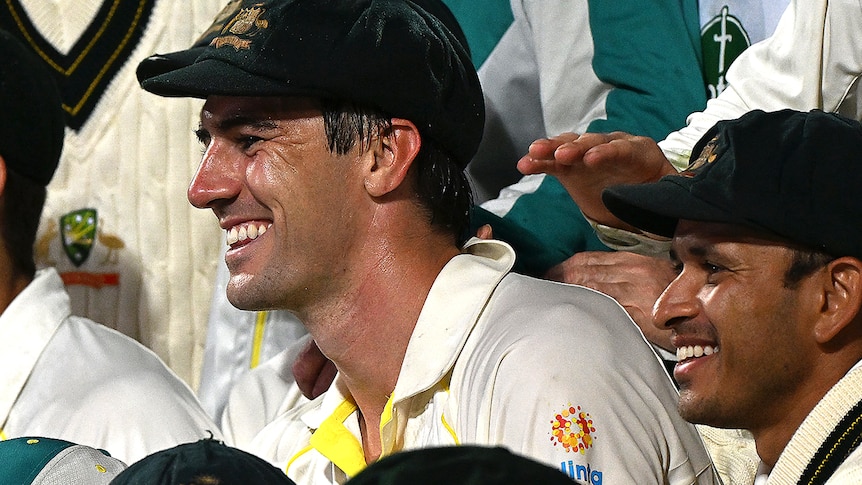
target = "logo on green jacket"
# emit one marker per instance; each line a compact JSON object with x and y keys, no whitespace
{"x":78,"y":232}
{"x":723,"y":38}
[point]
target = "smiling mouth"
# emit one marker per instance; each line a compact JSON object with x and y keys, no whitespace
{"x":244,"y":232}
{"x":694,"y":351}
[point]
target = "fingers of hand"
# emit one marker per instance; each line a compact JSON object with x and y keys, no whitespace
{"x":485,"y":232}
{"x":324,"y":380}
{"x":307,"y":368}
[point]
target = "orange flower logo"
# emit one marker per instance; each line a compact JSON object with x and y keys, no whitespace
{"x":573,"y":429}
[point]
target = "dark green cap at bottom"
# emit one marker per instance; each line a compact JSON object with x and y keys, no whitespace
{"x":203,"y":462}
{"x":459,"y":465}
{"x":49,"y":461}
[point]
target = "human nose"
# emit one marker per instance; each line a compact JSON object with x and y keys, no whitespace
{"x":676,"y":303}
{"x":217,"y":177}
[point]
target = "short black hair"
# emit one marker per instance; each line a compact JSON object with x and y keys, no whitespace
{"x":803,"y":263}
{"x":442,"y":186}
{"x":21,"y":209}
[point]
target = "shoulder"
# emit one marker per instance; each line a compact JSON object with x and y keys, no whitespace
{"x":538,"y":309}
{"x":115,"y":374}
{"x":542,"y":338}
{"x":96,"y":345}
{"x":95,"y":385}
{"x":561,"y":373}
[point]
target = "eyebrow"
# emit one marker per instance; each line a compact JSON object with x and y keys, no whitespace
{"x":251,"y":122}
{"x":699,"y":251}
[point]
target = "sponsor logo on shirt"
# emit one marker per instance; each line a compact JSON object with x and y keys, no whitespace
{"x":583,"y":473}
{"x":573,"y":429}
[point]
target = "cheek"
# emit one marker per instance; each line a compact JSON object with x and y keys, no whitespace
{"x":754,"y":317}
{"x":266,"y":169}
{"x":736,"y":314}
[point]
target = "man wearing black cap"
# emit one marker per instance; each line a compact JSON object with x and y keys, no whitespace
{"x":336,"y":133}
{"x":765,"y":308}
{"x":60,"y":375}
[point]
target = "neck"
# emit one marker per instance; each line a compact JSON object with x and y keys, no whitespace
{"x":12,"y":283}
{"x":366,"y":328}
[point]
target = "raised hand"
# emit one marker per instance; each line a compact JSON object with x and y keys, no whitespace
{"x":587,"y":164}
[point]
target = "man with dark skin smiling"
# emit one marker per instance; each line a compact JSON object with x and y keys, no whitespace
{"x":336,"y":134}
{"x":765,"y":308}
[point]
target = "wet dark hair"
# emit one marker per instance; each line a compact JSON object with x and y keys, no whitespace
{"x":21,"y":210}
{"x":442,"y":186}
{"x":803,"y":263}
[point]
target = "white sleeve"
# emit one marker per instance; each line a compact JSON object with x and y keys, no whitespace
{"x":260,"y":395}
{"x":597,"y":407}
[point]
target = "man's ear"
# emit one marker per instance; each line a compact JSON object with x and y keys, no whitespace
{"x":842,"y":301}
{"x":2,"y":175}
{"x":394,"y":152}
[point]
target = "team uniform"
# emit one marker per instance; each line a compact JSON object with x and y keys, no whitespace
{"x":68,"y":377}
{"x":811,"y":61}
{"x":555,"y":372}
{"x":831,"y":425}
{"x":117,"y":226}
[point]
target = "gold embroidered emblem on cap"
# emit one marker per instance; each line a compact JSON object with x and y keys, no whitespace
{"x":707,"y":155}
{"x":236,"y":32}
{"x":218,"y":24}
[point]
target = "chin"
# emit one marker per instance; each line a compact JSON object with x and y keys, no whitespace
{"x":705,"y":412}
{"x":694,"y":410}
{"x":243,"y":299}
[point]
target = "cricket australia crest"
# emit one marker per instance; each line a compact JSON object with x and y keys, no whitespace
{"x":78,"y":232}
{"x":238,"y":30}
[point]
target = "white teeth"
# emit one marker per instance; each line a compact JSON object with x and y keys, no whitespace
{"x":690,"y":351}
{"x":241,"y":233}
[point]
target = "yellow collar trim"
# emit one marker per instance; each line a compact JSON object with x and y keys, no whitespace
{"x":334,"y":441}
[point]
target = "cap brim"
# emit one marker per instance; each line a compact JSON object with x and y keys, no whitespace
{"x":657,"y":207}
{"x":158,"y":64}
{"x":215,"y":77}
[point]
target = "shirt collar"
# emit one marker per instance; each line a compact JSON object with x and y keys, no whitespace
{"x":454,"y":304}
{"x":455,"y":301}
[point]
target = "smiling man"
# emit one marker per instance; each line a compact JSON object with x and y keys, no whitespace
{"x":765,"y":307}
{"x":336,"y":133}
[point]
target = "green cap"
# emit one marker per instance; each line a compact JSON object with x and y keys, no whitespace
{"x":203,"y":462}
{"x":49,"y":461}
